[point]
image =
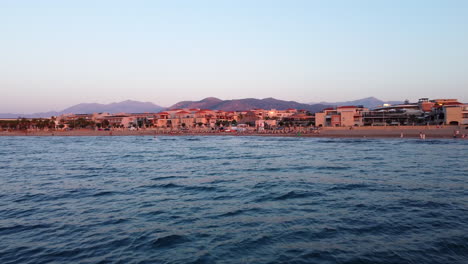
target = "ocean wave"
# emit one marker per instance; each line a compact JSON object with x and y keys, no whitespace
{"x":346,"y":187}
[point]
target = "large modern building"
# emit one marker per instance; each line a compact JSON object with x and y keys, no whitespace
{"x":341,"y":116}
{"x":424,"y":112}
{"x":449,"y":113}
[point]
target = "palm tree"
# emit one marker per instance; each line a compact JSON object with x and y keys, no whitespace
{"x":23,"y":123}
{"x":105,"y":123}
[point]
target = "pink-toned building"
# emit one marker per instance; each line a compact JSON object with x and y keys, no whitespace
{"x":344,"y":116}
{"x":190,"y":118}
{"x":250,"y":117}
{"x":205,"y":118}
{"x":280,"y":114}
{"x":300,"y":119}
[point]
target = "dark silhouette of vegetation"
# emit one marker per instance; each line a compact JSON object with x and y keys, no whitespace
{"x":105,"y":123}
{"x":24,"y":124}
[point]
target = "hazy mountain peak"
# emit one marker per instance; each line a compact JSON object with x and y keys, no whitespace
{"x":369,"y":102}
{"x":246,"y":104}
{"x":127,"y":106}
{"x":211,"y":99}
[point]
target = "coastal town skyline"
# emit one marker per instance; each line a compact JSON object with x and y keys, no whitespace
{"x":213,"y":114}
{"x":64,"y":53}
{"x":148,"y":106}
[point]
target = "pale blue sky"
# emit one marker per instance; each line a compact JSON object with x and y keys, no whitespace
{"x":58,"y":53}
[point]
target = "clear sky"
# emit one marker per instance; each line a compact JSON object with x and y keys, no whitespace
{"x":54,"y":54}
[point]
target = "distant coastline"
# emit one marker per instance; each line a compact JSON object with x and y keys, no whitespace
{"x":335,"y":132}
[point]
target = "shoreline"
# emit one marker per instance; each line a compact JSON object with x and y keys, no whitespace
{"x":336,"y":132}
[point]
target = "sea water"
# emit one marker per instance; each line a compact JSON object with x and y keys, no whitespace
{"x":227,"y":199}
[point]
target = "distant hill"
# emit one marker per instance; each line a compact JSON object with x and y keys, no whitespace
{"x":207,"y":103}
{"x":369,"y":102}
{"x":34,"y":115}
{"x":128,"y":106}
{"x":247,"y":104}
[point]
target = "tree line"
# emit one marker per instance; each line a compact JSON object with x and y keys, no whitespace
{"x":25,"y":123}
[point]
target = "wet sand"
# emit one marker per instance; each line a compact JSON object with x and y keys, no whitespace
{"x":355,"y":132}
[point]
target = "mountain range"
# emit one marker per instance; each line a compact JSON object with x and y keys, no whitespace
{"x":247,"y":104}
{"x":369,"y":102}
{"x":127,"y":106}
{"x":213,"y":103}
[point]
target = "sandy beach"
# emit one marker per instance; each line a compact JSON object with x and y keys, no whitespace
{"x":355,"y":132}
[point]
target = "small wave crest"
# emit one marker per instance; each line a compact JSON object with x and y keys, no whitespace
{"x":346,"y":187}
{"x":288,"y":196}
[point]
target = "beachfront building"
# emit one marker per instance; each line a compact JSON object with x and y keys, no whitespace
{"x":116,"y":121}
{"x":393,"y":118}
{"x":279,"y":114}
{"x":465,"y":114}
{"x":78,"y":120}
{"x":449,"y":113}
{"x":70,"y":118}
{"x":162,"y":119}
{"x":142,"y":120}
{"x":261,"y":119}
{"x":184,"y":119}
{"x":251,"y":117}
{"x":194,"y":118}
{"x":167,"y":119}
{"x":300,"y":119}
{"x":424,"y":112}
{"x":341,"y":116}
{"x":453,"y":114}
{"x":205,"y":118}
{"x":401,"y":114}
{"x":227,"y":116}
